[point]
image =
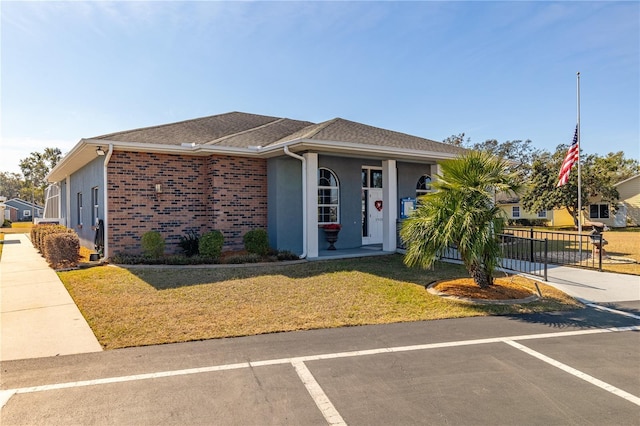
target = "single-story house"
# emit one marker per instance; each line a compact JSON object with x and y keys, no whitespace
{"x":235,"y":172}
{"x":628,"y":212}
{"x":514,"y":211}
{"x":25,"y":211}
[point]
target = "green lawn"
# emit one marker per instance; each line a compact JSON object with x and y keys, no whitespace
{"x":144,"y":306}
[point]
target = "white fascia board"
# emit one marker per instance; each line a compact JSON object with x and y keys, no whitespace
{"x":362,"y":150}
{"x":84,"y":151}
{"x":201,"y":150}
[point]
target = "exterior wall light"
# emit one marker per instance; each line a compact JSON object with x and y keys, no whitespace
{"x":158,"y":188}
{"x":100,"y":151}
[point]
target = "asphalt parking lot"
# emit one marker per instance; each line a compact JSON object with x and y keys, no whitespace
{"x":580,"y":367}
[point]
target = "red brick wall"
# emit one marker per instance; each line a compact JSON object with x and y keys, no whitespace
{"x":228,"y":194}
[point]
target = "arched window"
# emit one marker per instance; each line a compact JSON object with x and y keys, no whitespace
{"x":424,"y":185}
{"x":328,"y":197}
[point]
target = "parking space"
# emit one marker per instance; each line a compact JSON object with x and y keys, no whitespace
{"x":567,"y":375}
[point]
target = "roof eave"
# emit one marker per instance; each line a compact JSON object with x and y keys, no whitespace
{"x":359,"y":150}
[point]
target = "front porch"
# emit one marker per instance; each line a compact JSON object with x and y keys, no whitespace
{"x":363,"y":251}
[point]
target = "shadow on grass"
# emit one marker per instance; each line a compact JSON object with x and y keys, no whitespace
{"x":390,"y":267}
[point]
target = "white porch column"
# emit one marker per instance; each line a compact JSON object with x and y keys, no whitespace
{"x":390,"y":203}
{"x":312,"y":204}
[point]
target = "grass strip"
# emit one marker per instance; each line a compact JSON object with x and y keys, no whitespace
{"x":145,"y":306}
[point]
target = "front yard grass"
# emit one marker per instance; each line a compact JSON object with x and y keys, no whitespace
{"x":145,"y":306}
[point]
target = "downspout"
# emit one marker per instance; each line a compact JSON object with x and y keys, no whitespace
{"x":106,"y":206}
{"x":304,"y":198}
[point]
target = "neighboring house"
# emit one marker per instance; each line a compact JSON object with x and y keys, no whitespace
{"x":25,"y":211}
{"x":515,"y":211}
{"x":596,"y":210}
{"x":235,"y":172}
{"x":628,"y":213}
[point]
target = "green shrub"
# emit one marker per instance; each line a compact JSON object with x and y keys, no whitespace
{"x":189,"y":243}
{"x":287,"y":255}
{"x":211,"y":244}
{"x":152,"y":244}
{"x":6,"y":223}
{"x":62,"y":249}
{"x":256,"y":241}
{"x":528,"y":222}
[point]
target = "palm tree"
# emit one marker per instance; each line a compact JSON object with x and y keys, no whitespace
{"x":462,"y":213}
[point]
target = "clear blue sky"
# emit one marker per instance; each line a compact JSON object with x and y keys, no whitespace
{"x":494,"y":70}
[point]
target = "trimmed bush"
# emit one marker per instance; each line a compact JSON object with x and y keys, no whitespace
{"x":256,"y":241}
{"x":189,"y":243}
{"x":62,"y":250}
{"x":152,"y":244}
{"x":211,"y":244}
{"x":40,"y":232}
{"x":6,"y":223}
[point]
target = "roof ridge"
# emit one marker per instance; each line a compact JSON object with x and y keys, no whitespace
{"x":319,"y":127}
{"x":220,"y":139}
{"x":159,"y":126}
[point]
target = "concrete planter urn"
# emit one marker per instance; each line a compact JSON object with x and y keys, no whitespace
{"x":331,"y":234}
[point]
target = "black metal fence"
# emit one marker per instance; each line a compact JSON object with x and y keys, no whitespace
{"x":566,"y":248}
{"x":521,"y":254}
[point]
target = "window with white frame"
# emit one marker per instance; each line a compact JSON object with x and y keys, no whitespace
{"x":599,"y":211}
{"x":79,"y":208}
{"x":26,"y":213}
{"x":424,"y":185}
{"x":542,"y":214}
{"x":95,"y":205}
{"x":328,"y":197}
{"x":515,"y":211}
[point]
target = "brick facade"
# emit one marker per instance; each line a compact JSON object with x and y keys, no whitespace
{"x":224,"y":193}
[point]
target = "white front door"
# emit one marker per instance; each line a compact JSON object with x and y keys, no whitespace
{"x":375,"y":211}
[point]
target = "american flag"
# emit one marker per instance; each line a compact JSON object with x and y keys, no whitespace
{"x":569,"y":160}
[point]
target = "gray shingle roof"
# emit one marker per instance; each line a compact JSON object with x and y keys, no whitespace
{"x":342,"y":130}
{"x":241,"y":130}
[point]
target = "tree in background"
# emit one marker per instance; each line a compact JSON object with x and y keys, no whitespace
{"x":599,"y":175}
{"x":519,"y":154}
{"x":11,"y":184}
{"x":462,"y":213}
{"x":35,"y":169}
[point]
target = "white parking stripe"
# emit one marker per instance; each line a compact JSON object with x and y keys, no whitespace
{"x":331,"y":415}
{"x":7,"y":393}
{"x":577,"y":373}
{"x":614,"y":311}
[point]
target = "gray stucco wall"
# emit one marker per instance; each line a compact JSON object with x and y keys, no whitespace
{"x":83,"y":181}
{"x":408,"y":176}
{"x":348,"y":171}
{"x":284,"y":210}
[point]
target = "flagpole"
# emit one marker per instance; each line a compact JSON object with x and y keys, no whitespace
{"x":579,"y":174}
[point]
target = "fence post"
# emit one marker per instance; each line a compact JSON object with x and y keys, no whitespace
{"x":546,"y":252}
{"x":600,"y":254}
{"x":531,"y":255}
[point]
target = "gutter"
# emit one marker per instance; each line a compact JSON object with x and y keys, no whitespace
{"x":105,"y":231}
{"x":304,"y":198}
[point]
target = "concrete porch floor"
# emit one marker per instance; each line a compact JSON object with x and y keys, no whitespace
{"x":364,"y":251}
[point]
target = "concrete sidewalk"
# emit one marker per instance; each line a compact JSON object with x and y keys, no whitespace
{"x":592,"y":286}
{"x":38,"y":317}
